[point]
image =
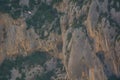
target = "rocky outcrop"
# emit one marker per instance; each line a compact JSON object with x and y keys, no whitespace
{"x":14,"y":37}
{"x":17,"y":40}
{"x":89,"y":43}
{"x":90,"y":49}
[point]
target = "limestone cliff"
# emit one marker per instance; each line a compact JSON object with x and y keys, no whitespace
{"x":83,"y":34}
{"x":91,"y":44}
{"x":14,"y":37}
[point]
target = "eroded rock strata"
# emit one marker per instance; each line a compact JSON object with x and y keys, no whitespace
{"x":80,"y":37}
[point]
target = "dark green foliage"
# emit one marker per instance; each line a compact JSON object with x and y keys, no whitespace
{"x":32,"y":4}
{"x":45,"y":76}
{"x":59,"y":64}
{"x":114,"y":77}
{"x":101,"y":16}
{"x":25,"y":8}
{"x":79,"y":22}
{"x":5,"y":68}
{"x":118,"y":38}
{"x":82,"y":18}
{"x":97,"y":8}
{"x":18,"y":78}
{"x":10,"y":6}
{"x":113,"y":23}
{"x":16,"y":14}
{"x":56,"y":27}
{"x":114,"y":5}
{"x":101,"y":56}
{"x":80,"y":3}
{"x":49,"y":74}
{"x":69,"y":36}
{"x":19,"y":63}
{"x":36,"y":58}
{"x":4,"y":7}
{"x":56,"y":1}
{"x":45,"y":14}
{"x":23,"y":76}
{"x":101,"y":0}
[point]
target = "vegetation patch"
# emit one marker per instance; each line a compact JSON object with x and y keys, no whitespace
{"x":45,"y":76}
{"x":101,"y":0}
{"x":69,"y":36}
{"x":11,"y":7}
{"x":114,"y":4}
{"x":19,"y":63}
{"x":80,"y":3}
{"x":114,"y":77}
{"x":101,"y":16}
{"x":45,"y":15}
{"x":79,"y":22}
{"x":56,"y":1}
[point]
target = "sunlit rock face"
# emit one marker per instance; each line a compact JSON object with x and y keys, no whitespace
{"x":82,"y":34}
{"x":14,"y":37}
{"x":90,"y":45}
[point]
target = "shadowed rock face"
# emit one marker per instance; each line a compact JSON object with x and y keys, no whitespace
{"x":89,"y":43}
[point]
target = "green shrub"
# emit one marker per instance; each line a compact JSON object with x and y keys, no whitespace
{"x":56,"y":1}
{"x":19,"y":62}
{"x":11,"y":7}
{"x":69,"y":36}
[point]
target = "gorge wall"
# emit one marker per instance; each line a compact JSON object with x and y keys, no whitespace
{"x":83,"y":34}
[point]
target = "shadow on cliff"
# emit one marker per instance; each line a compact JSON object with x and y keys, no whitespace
{"x":107,"y":69}
{"x":113,"y":77}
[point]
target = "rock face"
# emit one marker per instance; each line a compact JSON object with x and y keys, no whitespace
{"x":90,"y":46}
{"x":14,"y":37}
{"x":89,"y":43}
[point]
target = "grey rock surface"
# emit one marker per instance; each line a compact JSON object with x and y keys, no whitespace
{"x":83,"y":34}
